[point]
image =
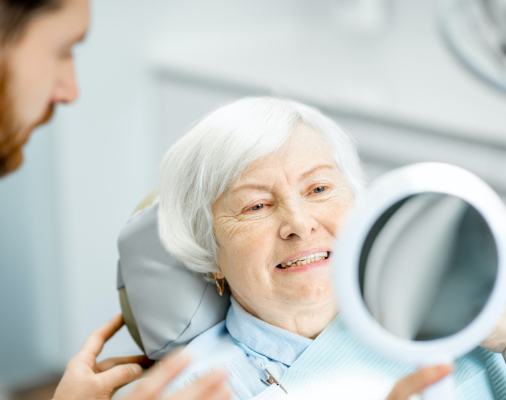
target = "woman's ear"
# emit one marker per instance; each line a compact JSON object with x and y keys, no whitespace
{"x":218,"y":275}
{"x":220,"y":282}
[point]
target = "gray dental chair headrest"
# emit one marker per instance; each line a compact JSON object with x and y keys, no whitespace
{"x":164,"y":304}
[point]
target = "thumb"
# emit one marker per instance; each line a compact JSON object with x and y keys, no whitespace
{"x":418,"y":381}
{"x":119,"y":376}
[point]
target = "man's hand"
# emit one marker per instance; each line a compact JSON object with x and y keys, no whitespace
{"x":418,"y":381}
{"x":87,"y":379}
{"x":212,"y":386}
{"x":84,"y":378}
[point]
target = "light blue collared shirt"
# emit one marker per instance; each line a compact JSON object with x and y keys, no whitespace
{"x":246,"y":348}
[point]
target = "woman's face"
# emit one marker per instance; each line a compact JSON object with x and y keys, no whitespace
{"x":285,"y":207}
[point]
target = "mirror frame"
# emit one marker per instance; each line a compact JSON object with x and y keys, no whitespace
{"x":380,"y":196}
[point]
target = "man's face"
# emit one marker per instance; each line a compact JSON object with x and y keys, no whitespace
{"x":36,"y":73}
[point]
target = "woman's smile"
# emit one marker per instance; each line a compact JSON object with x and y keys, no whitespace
{"x":305,"y":260}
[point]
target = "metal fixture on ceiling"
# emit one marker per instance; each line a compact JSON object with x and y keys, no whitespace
{"x":474,"y":31}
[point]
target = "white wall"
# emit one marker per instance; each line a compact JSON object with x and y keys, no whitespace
{"x":147,"y":71}
{"x":29,"y":263}
{"x":105,"y":162}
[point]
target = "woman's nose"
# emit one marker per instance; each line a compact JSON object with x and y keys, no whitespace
{"x":297,"y":223}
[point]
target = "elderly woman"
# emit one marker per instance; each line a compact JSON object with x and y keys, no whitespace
{"x":253,"y":197}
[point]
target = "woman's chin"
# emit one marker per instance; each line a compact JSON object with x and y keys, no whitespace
{"x":308,"y":292}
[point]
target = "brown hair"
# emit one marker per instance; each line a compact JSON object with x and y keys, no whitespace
{"x":16,"y":14}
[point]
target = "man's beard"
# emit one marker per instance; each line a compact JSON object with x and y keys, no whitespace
{"x":12,"y":136}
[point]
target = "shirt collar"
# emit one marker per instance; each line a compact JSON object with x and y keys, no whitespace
{"x":262,"y":338}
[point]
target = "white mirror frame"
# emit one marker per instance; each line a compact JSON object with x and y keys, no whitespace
{"x":383,"y":193}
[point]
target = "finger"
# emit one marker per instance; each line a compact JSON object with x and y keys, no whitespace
{"x":95,"y":342}
{"x":119,"y":376}
{"x":212,"y":385}
{"x":222,"y":393}
{"x":109,"y":363}
{"x":160,"y":375}
{"x":418,"y":381}
{"x":218,"y":392}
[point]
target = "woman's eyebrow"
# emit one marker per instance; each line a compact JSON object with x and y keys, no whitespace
{"x":255,"y":186}
{"x":266,"y":188}
{"x":315,"y":169}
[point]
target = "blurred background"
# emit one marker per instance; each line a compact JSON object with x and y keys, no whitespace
{"x":409,"y":80}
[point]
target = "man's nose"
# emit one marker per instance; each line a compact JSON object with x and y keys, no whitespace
{"x":297,"y":222}
{"x":66,"y":88}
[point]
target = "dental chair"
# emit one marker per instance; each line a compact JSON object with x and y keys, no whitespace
{"x":164,"y":304}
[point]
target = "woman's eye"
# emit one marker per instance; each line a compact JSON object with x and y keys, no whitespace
{"x":319,"y":189}
{"x":257,"y":207}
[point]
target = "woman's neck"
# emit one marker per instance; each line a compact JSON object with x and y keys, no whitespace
{"x":307,"y":320}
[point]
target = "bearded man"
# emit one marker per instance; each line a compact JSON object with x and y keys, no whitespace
{"x":36,"y":74}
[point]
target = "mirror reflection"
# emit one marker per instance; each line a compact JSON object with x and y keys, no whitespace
{"x":428,"y":266}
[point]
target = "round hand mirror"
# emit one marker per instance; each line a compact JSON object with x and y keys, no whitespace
{"x":419,"y":266}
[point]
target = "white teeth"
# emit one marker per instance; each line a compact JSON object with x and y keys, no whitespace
{"x":306,"y":260}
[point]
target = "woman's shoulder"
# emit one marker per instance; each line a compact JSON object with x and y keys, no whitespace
{"x":216,"y":349}
{"x":212,"y":349}
{"x":210,"y":340}
{"x":209,"y":350}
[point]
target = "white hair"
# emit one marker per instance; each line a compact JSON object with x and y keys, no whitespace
{"x":202,"y":164}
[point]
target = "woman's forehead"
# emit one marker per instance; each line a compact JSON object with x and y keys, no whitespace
{"x":263,"y":175}
{"x":303,"y":152}
{"x":304,"y":138}
{"x":304,"y":155}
